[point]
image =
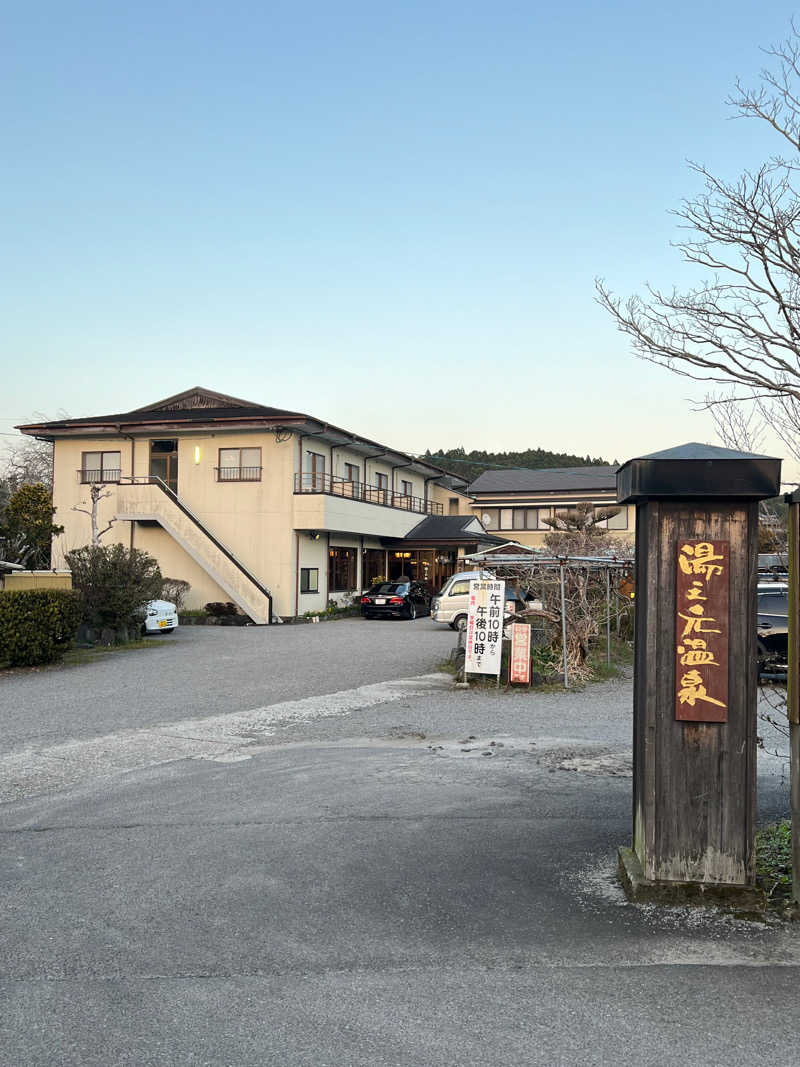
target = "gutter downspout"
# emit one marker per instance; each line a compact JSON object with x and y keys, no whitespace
{"x":297,"y":574}
{"x":376,"y":455}
{"x":133,"y":473}
{"x":432,"y":478}
{"x":397,"y":467}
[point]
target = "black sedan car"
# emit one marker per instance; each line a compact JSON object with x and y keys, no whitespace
{"x":405,"y":600}
{"x":773,"y":623}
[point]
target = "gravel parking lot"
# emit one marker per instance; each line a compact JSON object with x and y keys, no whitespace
{"x":202,"y":671}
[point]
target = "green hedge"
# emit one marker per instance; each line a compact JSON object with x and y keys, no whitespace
{"x":36,"y":625}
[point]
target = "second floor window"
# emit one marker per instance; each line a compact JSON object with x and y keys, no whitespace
{"x":351,"y":473}
{"x":239,"y":465}
{"x":100,"y":467}
{"x":406,"y":488}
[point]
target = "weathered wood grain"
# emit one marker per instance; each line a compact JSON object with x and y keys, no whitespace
{"x":694,"y":782}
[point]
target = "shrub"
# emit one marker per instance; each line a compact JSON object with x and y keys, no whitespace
{"x":113,"y":582}
{"x":219,"y":610}
{"x":28,"y":528}
{"x":36,"y":625}
{"x":175,"y":590}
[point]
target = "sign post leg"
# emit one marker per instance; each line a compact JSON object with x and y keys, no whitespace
{"x":564,"y":629}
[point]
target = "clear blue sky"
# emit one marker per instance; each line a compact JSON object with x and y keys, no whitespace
{"x":389,"y":216}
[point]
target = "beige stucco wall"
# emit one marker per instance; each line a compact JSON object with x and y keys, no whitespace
{"x":317,"y":511}
{"x":535,"y":538}
{"x":253,"y":519}
{"x":18,"y":581}
{"x":257,"y":521}
{"x":443,"y":496}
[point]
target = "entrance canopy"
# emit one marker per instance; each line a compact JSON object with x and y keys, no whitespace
{"x":431,"y":551}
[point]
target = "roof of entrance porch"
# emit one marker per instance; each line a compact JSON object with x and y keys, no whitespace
{"x":445,"y":531}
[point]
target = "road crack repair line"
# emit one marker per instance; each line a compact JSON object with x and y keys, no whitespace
{"x":222,"y":738}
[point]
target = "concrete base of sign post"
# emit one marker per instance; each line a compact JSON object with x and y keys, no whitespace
{"x":641,"y":890}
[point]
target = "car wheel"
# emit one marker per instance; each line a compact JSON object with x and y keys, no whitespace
{"x":460,"y":622}
{"x":411,"y":611}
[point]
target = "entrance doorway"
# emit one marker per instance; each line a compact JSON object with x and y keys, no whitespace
{"x":423,"y":565}
{"x":164,"y":462}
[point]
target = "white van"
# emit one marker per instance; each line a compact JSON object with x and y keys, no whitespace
{"x":452,"y":603}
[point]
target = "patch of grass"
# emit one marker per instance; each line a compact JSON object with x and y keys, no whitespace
{"x":76,"y":657}
{"x":774,"y":862}
{"x":621,"y":657}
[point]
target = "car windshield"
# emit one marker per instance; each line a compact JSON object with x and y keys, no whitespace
{"x":390,"y":589}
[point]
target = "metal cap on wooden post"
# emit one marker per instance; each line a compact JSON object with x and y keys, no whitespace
{"x":695,"y":672}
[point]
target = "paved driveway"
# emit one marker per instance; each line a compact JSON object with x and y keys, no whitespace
{"x":422,"y":880}
{"x":393,"y":875}
{"x":207,"y":670}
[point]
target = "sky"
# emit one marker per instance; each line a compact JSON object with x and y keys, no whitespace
{"x":387,"y":216}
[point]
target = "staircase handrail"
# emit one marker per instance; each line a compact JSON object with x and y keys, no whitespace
{"x":153,"y":479}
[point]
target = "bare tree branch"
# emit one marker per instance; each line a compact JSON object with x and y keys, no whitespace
{"x":739,"y":327}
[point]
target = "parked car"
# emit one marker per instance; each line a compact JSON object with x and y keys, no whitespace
{"x":773,"y":627}
{"x":451,"y":605}
{"x":403,"y":599}
{"x":159,"y":617}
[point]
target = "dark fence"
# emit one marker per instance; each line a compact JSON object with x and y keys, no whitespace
{"x":368,"y":494}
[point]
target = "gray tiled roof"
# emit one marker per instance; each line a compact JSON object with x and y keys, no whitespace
{"x":450,"y":527}
{"x":543,"y":480}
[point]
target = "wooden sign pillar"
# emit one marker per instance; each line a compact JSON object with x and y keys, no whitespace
{"x":695,"y":673}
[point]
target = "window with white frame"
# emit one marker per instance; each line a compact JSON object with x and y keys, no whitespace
{"x":517,"y":518}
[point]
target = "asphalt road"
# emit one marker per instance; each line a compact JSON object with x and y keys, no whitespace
{"x":397,"y":874}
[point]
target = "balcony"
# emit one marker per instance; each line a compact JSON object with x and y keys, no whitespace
{"x":330,"y":485}
{"x":92,"y":477}
{"x":238,"y":474}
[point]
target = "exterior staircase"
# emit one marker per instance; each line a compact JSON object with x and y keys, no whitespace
{"x":150,"y":500}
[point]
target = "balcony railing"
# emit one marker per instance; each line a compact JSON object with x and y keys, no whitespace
{"x":89,"y":477}
{"x":367,"y":494}
{"x":238,"y":474}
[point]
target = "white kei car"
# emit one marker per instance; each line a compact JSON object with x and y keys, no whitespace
{"x":159,"y":617}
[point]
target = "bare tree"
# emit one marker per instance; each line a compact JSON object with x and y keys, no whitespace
{"x":741,"y":326}
{"x":96,"y":494}
{"x":28,"y":462}
{"x":739,"y":424}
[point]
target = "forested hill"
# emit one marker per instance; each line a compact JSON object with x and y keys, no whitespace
{"x":470,"y":464}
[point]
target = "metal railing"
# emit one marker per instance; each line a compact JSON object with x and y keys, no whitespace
{"x":368,"y":494}
{"x":238,"y":474}
{"x":150,"y":479}
{"x":89,"y":477}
